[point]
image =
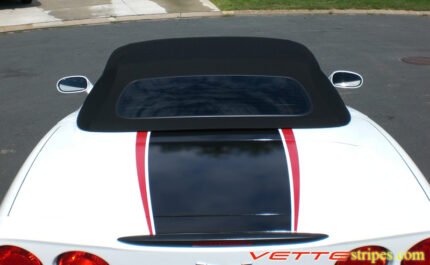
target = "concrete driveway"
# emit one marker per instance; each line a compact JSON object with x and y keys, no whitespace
{"x":13,"y":13}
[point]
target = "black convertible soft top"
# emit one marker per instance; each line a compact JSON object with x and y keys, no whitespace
{"x":217,"y":56}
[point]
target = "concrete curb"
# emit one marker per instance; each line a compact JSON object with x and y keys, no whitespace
{"x":328,"y":12}
{"x":107,"y":20}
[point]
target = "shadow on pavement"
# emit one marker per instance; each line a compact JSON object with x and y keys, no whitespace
{"x":12,"y":4}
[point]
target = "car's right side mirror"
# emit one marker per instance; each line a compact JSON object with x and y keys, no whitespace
{"x":74,"y":84}
{"x":346,"y":79}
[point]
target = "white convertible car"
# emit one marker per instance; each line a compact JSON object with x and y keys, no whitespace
{"x":216,"y":151}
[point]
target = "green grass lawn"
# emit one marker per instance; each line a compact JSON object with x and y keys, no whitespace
{"x":322,"y":4}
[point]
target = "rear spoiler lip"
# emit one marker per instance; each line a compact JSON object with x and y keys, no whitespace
{"x":223,"y":239}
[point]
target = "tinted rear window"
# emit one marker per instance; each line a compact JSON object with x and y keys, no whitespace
{"x":200,"y":96}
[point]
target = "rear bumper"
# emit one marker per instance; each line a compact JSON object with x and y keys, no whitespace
{"x":322,"y":252}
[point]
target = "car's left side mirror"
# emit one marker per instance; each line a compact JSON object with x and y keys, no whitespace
{"x":74,"y":84}
{"x":346,"y":79}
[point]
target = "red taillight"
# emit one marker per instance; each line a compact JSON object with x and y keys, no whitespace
{"x":80,"y":258}
{"x":419,"y":254}
{"x":368,"y":255}
{"x":10,"y":255}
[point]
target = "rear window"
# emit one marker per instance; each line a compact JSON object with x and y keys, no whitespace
{"x":201,"y":96}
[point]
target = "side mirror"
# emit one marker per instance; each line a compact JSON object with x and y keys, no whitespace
{"x":346,"y":79}
{"x":74,"y":84}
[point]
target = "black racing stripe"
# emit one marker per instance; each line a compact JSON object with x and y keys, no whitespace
{"x":219,"y":182}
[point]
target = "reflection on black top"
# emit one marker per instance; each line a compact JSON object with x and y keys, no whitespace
{"x":219,"y":182}
{"x":215,"y":95}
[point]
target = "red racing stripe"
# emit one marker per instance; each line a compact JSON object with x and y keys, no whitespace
{"x":141,"y":142}
{"x":295,"y":170}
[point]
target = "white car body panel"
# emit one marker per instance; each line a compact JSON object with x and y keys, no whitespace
{"x":82,"y":193}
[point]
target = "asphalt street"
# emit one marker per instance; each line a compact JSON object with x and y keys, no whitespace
{"x":395,"y":94}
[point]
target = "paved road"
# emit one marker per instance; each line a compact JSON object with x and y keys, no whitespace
{"x":396,"y":95}
{"x":12,"y":12}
